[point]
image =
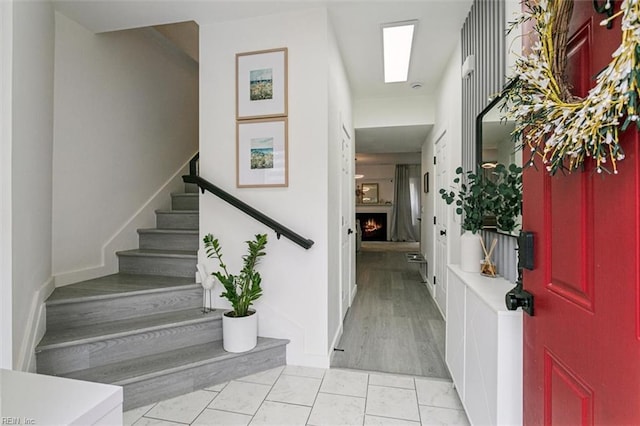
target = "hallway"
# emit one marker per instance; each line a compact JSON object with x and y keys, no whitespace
{"x":393,"y":325}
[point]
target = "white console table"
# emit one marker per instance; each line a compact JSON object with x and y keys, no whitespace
{"x":484,"y":348}
{"x":35,"y":399}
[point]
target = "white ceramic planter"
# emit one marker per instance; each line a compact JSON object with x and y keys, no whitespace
{"x":470,"y":252}
{"x":239,"y":334}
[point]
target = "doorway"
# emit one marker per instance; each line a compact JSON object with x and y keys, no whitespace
{"x":393,"y":324}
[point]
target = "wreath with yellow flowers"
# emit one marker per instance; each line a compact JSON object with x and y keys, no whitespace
{"x":561,"y":129}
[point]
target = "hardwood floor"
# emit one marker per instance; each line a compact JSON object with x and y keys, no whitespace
{"x":393,"y":325}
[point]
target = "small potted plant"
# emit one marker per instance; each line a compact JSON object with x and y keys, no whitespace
{"x":472,"y":203}
{"x":240,"y":324}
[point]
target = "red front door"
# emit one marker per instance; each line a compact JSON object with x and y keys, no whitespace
{"x":582,"y":347}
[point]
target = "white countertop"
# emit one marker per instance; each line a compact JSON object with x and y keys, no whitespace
{"x":490,"y":290}
{"x":47,"y":400}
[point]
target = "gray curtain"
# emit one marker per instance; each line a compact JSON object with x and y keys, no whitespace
{"x":405,"y":225}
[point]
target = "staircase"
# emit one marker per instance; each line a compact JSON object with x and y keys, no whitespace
{"x":143,"y":328}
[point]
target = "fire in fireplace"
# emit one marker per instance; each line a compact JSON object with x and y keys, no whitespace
{"x":373,"y":226}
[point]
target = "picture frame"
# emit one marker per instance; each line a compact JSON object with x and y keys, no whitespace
{"x":262,"y":153}
{"x":425,"y":183}
{"x":370,"y":193}
{"x":262,"y":84}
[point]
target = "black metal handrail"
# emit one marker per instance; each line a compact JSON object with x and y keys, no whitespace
{"x":205,"y":185}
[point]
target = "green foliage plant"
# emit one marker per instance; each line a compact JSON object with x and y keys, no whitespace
{"x":480,"y":196}
{"x":507,"y":196}
{"x":471,"y":199}
{"x":243,"y":289}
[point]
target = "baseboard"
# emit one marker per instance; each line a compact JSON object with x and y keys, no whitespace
{"x":334,"y":343}
{"x":353,"y":294}
{"x":430,"y":289}
{"x":126,"y":237}
{"x":35,"y":328}
{"x":272,"y":322}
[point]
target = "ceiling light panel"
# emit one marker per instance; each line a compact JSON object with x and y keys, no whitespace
{"x":397,"y":40}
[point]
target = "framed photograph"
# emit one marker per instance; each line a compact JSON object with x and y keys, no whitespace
{"x":261,"y":84}
{"x":261,"y":153}
{"x":425,"y":183}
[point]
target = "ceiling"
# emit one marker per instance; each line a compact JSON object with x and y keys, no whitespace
{"x":357,"y":27}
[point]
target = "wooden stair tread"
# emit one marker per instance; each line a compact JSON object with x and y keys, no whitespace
{"x":185,"y":194}
{"x":116,"y":285}
{"x":168,"y":231}
{"x":125,"y":372}
{"x":169,"y":211}
{"x":71,"y":336}
{"x":159,"y":253}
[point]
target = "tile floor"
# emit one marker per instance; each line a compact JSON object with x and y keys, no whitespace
{"x":311,"y":396}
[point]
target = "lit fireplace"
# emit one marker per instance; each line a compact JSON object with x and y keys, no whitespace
{"x":373,"y":226}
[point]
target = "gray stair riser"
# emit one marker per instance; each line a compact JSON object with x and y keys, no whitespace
{"x":178,"y":383}
{"x":109,"y":350}
{"x":172,"y":241}
{"x":122,"y":307}
{"x":157,"y":265}
{"x":190,"y":188}
{"x":184,"y":201}
{"x":173,"y":220}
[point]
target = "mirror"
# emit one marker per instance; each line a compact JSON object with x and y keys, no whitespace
{"x":494,"y":143}
{"x":369,"y":193}
{"x":493,"y":137}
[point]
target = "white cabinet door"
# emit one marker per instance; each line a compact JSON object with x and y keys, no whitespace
{"x":455,"y":332}
{"x":484,"y":348}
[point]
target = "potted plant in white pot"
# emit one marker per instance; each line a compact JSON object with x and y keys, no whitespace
{"x":472,"y":203}
{"x":240,"y":324}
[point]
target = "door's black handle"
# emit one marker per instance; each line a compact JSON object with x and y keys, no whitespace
{"x":349,"y":231}
{"x":443,"y":232}
{"x":519,"y":298}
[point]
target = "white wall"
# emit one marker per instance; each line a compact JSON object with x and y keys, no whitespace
{"x":6,"y":328}
{"x":383,"y":175}
{"x":340,"y":115}
{"x":448,"y":119}
{"x":389,"y":112}
{"x":32,"y":127}
{"x":126,"y":120}
{"x":294,"y":304}
{"x":513,"y":40}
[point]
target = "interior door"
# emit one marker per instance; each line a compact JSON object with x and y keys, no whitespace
{"x":441,"y":248}
{"x":347,"y":254}
{"x":582,"y":347}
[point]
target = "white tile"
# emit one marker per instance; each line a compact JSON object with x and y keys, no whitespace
{"x":145,"y":421}
{"x":437,"y":394}
{"x":337,"y":410}
{"x":392,"y":402}
{"x":279,"y":414}
{"x":343,"y":382}
{"x":392,"y":381}
{"x":212,"y":417}
{"x":296,"y":370}
{"x":131,"y":416}
{"x":268,"y":377}
{"x":183,"y":409}
{"x":386,"y":421}
{"x":217,"y":388}
{"x":241,"y":397}
{"x":433,"y":416}
{"x":295,"y":390}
